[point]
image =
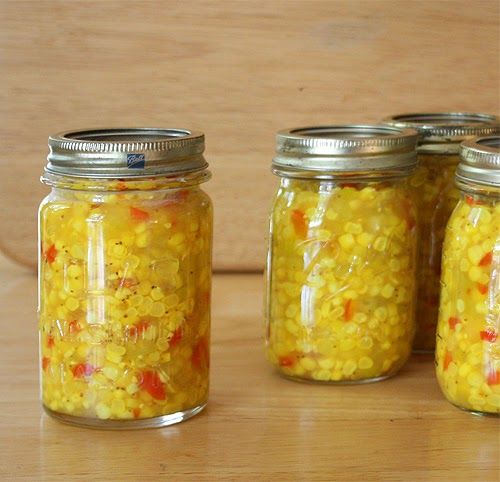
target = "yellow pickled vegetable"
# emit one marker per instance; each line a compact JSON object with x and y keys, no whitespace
{"x":436,"y":197}
{"x":468,"y":343}
{"x":341,"y":279}
{"x":124,"y":300}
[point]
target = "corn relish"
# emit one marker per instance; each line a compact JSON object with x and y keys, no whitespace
{"x":468,"y":344}
{"x":124,"y":309}
{"x":341,"y":264}
{"x":436,"y":198}
{"x":438,"y":155}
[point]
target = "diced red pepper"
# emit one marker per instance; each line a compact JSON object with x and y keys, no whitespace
{"x":488,"y":335}
{"x":139,"y":328}
{"x":136,"y":412}
{"x":127,"y":283}
{"x":447,"y":360}
{"x":348,"y":310}
{"x":45,"y":362}
{"x":201,"y":355}
{"x":472,"y":202}
{"x":50,"y":341}
{"x":453,"y":321}
{"x":82,"y":370}
{"x":287,"y":361}
{"x":150,"y":382}
{"x":176,"y":337}
{"x":486,"y":259}
{"x":50,"y":254}
{"x":121,"y":186}
{"x":493,"y":377}
{"x":352,"y":185}
{"x":74,"y":327}
{"x":142,"y":326}
{"x":299,"y":223}
{"x":139,"y":214}
{"x":482,"y":288}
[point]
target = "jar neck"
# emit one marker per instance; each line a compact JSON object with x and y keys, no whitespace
{"x":177,"y":181}
{"x":468,"y":187}
{"x":340,"y":177}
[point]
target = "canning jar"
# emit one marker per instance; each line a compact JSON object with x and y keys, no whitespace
{"x":436,"y":195}
{"x":124,"y":278}
{"x":468,"y":341}
{"x":341,"y":261}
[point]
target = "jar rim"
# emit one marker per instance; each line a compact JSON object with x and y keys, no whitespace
{"x":445,"y":127}
{"x":126,"y":152}
{"x":340,"y":149}
{"x":480,"y":161}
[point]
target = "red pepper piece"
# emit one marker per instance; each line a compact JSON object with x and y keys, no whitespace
{"x":139,"y":214}
{"x":472,"y":202}
{"x":127,"y":283}
{"x":136,"y":412}
{"x":453,"y":321}
{"x":121,"y":186}
{"x":299,"y":223}
{"x":287,"y":361}
{"x":447,"y":360}
{"x":139,"y":328}
{"x":493,"y":377}
{"x":151,"y":382}
{"x":201,"y":355}
{"x":50,"y":254}
{"x":488,"y":335}
{"x":482,"y":288}
{"x":45,"y":362}
{"x":50,"y":341}
{"x":82,"y":369}
{"x":486,"y":259}
{"x":348,"y":310}
{"x":352,"y":185}
{"x":176,"y":337}
{"x":74,"y":327}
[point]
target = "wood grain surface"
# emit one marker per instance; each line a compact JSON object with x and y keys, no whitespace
{"x":257,"y":425}
{"x":238,"y":70}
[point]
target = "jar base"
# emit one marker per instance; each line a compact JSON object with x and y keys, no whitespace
{"x":477,"y":413}
{"x":335,"y":382}
{"x":153,"y":422}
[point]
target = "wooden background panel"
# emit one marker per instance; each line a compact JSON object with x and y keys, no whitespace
{"x":238,"y":70}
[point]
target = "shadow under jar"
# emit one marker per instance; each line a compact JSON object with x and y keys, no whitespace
{"x":440,"y":135}
{"x":341,"y":261}
{"x":124,"y":278}
{"x":468,"y":342}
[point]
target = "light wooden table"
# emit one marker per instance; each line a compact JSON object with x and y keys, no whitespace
{"x":257,"y":425}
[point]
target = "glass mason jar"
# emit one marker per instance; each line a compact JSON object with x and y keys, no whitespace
{"x":436,"y":195}
{"x":124,"y":278}
{"x":341,"y":262}
{"x":468,"y":341}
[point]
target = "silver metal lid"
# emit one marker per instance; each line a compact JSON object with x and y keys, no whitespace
{"x":444,"y":131}
{"x":480,"y":161}
{"x":326,"y":151}
{"x":126,"y":152}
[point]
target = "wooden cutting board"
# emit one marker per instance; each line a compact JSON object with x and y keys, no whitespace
{"x":238,"y":71}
